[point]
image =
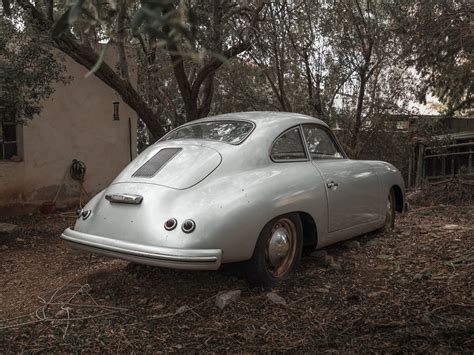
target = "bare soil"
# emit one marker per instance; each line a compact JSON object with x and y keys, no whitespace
{"x":410,"y":290}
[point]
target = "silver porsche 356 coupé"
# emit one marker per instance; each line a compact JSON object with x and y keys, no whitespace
{"x":251,"y":187}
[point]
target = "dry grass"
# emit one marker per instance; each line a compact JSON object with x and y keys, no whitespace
{"x":457,"y":191}
{"x":410,"y":290}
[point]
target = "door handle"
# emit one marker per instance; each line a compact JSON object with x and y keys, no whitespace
{"x":332,"y":184}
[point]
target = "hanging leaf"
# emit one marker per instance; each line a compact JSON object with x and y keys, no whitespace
{"x":75,"y":12}
{"x":152,"y":16}
{"x":67,"y":19}
{"x":98,"y":63}
{"x":138,"y":20}
{"x":61,"y":25}
{"x":218,"y":56}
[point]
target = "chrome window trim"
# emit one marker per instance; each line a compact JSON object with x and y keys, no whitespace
{"x":302,"y":141}
{"x":332,"y":137}
{"x":254,"y":125}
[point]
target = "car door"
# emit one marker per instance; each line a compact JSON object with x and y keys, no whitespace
{"x":351,"y":185}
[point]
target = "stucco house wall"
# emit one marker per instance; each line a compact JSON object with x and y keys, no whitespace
{"x":76,"y":123}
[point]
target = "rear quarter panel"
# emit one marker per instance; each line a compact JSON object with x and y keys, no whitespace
{"x":234,"y":209}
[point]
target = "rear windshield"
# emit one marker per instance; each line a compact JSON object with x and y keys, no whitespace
{"x":233,"y":132}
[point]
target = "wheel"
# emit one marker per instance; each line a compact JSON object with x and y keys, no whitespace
{"x":390,"y":211}
{"x":277,"y":252}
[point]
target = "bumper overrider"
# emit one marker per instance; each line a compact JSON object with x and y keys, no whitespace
{"x":192,"y":259}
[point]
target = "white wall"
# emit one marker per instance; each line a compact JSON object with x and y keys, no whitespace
{"x":76,"y":123}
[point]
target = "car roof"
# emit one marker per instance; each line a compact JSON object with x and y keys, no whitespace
{"x":277,"y":121}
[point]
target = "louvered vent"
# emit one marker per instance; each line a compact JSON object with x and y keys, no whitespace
{"x":152,"y":166}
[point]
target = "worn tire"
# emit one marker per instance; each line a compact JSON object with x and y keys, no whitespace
{"x":390,"y":212}
{"x":259,"y":269}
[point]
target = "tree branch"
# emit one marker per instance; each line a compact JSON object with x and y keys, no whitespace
{"x":231,"y":52}
{"x":88,"y":57}
{"x":121,"y":40}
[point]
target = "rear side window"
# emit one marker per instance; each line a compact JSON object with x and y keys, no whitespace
{"x":320,"y":143}
{"x":289,"y":146}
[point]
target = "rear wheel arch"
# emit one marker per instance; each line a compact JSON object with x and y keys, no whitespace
{"x":399,"y":202}
{"x":310,"y":230}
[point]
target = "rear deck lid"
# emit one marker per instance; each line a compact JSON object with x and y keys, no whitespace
{"x":177,"y":167}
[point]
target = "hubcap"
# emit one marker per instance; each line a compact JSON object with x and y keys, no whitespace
{"x":281,"y":247}
{"x":278,"y":247}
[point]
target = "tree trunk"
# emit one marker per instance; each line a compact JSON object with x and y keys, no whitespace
{"x":358,"y":113}
{"x":206,"y":99}
{"x":190,"y":102}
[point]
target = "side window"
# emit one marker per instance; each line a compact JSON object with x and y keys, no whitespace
{"x":320,"y":143}
{"x":289,"y":146}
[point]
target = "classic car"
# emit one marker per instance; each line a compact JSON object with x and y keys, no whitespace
{"x":254,"y":188}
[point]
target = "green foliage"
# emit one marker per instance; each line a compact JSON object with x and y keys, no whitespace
{"x":317,"y":58}
{"x":178,"y":68}
{"x":68,"y":18}
{"x":438,"y":41}
{"x":242,"y":86}
{"x":350,"y":62}
{"x":160,"y":19}
{"x":28,"y":70}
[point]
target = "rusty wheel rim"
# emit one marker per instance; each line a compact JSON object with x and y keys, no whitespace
{"x":281,"y":247}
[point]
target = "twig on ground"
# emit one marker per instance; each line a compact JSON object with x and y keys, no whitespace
{"x":40,"y":313}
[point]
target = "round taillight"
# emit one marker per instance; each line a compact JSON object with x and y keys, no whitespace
{"x":85,"y":214}
{"x":171,"y":224}
{"x":188,"y":226}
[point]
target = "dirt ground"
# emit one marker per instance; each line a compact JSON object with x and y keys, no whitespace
{"x":403,"y":291}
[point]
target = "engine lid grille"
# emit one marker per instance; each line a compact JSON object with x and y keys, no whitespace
{"x":155,"y":163}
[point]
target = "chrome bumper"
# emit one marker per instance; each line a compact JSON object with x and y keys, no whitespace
{"x":191,"y":259}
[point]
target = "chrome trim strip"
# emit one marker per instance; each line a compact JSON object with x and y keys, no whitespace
{"x":161,"y":257}
{"x":125,"y":198}
{"x":189,"y":259}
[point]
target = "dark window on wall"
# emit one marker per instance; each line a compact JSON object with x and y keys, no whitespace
{"x":8,"y":135}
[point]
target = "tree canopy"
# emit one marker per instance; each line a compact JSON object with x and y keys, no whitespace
{"x":438,"y":42}
{"x":28,"y":70}
{"x":351,"y":63}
